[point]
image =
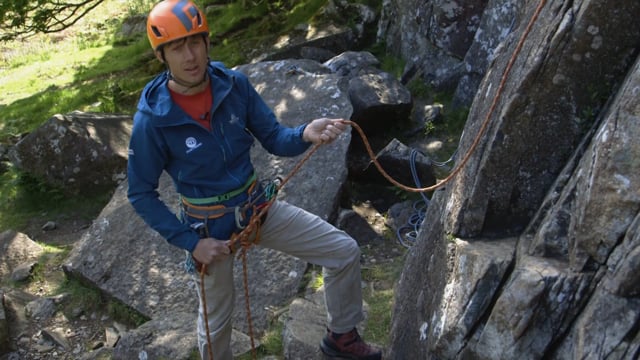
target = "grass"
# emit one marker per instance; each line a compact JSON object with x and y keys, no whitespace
{"x":379,"y":296}
{"x":91,"y":300}
{"x":50,"y":255}
{"x":26,"y":197}
{"x":35,"y":92}
{"x":270,"y":343}
{"x":236,"y":29}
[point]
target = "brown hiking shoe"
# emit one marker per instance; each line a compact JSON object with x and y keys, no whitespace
{"x":349,"y":346}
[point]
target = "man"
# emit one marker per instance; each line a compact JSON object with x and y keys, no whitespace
{"x":198,"y":121}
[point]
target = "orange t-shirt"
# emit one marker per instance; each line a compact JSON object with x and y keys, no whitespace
{"x":197,"y":105}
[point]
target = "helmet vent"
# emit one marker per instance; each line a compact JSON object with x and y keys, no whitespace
{"x":155,"y":30}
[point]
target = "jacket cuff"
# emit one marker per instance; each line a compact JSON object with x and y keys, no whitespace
{"x":300,"y":131}
{"x":187,"y":241}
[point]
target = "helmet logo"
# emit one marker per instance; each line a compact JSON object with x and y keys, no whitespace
{"x":186,"y":15}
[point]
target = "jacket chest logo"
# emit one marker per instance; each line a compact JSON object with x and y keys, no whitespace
{"x":192,"y":144}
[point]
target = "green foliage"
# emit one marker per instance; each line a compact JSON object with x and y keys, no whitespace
{"x":379,"y":321}
{"x":453,"y":119}
{"x":194,"y":354}
{"x":80,"y":295}
{"x":233,"y":17}
{"x":112,"y":75}
{"x":236,"y":27}
{"x":28,"y":18}
{"x":270,"y":343}
{"x":25,"y":196}
{"x":91,"y":299}
{"x":429,"y":128}
{"x":393,"y":65}
{"x":402,"y":195}
{"x":379,"y":296}
{"x":450,"y":127}
{"x":272,"y":340}
{"x":125,"y":314}
{"x":317,"y":281}
{"x":303,"y":12}
{"x":35,"y":189}
{"x":388,"y":63}
{"x":137,"y":7}
{"x":419,"y":88}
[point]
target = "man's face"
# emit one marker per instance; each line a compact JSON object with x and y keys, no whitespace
{"x":187,"y":58}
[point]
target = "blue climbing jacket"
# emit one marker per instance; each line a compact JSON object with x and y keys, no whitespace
{"x":202,"y":163}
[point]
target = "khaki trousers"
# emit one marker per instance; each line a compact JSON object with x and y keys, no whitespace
{"x":301,"y":234}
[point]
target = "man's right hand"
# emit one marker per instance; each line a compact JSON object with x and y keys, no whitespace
{"x":209,"y":250}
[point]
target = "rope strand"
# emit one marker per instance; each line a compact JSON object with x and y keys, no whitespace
{"x":247,"y":302}
{"x":203,"y":271}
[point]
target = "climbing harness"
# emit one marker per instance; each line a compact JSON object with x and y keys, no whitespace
{"x":224,"y":197}
{"x":244,"y":238}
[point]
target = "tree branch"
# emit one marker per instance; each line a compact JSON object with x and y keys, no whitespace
{"x":24,"y":18}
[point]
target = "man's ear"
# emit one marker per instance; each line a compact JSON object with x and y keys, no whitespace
{"x":159,"y":55}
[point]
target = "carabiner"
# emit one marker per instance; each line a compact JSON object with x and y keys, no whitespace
{"x":239,"y":217}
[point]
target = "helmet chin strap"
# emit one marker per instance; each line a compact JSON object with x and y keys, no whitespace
{"x":188,"y":86}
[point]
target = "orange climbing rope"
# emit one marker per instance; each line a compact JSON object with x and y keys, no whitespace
{"x":203,"y":299}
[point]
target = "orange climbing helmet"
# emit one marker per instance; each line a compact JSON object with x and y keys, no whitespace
{"x":170,"y":20}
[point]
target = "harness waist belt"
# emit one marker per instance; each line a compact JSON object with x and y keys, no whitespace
{"x":223,"y":197}
{"x":206,"y":212}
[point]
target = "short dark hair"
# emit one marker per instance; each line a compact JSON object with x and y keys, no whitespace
{"x":161,"y":46}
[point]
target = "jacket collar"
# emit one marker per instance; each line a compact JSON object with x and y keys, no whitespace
{"x":156,"y":102}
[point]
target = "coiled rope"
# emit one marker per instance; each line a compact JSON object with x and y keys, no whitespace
{"x":245,"y":240}
{"x":412,"y":227}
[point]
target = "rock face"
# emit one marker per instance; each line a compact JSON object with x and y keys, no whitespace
{"x":533,"y":249}
{"x":448,"y":44}
{"x":16,"y":249}
{"x":80,"y":153}
{"x":17,"y":252}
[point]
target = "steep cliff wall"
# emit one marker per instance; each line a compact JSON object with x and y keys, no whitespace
{"x":533,"y":250}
